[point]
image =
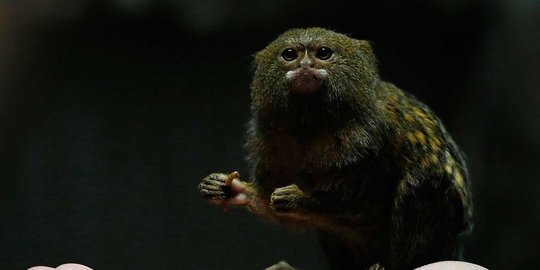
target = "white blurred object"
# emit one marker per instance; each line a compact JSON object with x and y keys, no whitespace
{"x":451,"y":265}
{"x":66,"y":266}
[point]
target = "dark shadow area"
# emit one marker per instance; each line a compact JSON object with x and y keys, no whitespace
{"x":112,"y":111}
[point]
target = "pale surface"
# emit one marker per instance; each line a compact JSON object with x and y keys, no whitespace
{"x":67,"y":266}
{"x":451,"y":265}
{"x":446,"y":265}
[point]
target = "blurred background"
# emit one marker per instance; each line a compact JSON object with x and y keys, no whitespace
{"x":112,"y":111}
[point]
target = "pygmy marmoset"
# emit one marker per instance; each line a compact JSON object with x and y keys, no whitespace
{"x":334,"y":148}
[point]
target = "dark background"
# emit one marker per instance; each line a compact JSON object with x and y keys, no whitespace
{"x":112,"y":111}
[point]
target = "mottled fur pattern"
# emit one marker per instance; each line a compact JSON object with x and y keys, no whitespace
{"x":368,"y":166}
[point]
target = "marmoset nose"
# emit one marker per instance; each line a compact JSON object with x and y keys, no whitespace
{"x":306,"y":61}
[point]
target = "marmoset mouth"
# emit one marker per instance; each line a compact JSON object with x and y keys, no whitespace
{"x":306,"y":79}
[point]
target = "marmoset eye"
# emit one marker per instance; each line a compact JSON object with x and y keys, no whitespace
{"x":289,"y":54}
{"x":324,"y":53}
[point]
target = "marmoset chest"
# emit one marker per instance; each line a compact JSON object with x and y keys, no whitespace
{"x":326,"y":158}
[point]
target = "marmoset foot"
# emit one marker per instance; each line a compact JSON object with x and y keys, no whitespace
{"x":220,"y":188}
{"x":286,"y":199}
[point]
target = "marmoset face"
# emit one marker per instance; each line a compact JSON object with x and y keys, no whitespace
{"x":316,"y":66}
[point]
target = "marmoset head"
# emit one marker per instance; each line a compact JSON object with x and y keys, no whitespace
{"x":312,"y":72}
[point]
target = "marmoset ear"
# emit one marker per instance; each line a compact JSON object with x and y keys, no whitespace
{"x":365,"y":45}
{"x":367,"y":52}
{"x":256,"y":59}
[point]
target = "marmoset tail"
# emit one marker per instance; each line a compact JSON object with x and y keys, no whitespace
{"x":334,"y":148}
